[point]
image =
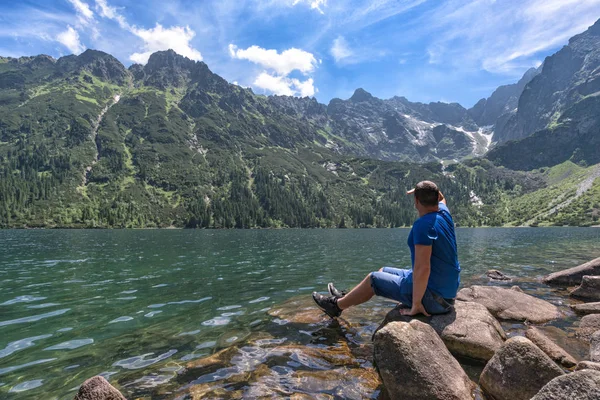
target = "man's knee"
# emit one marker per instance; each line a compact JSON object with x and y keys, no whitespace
{"x":381,"y":269}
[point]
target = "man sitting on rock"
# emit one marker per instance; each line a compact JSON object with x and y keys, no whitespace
{"x":431,"y":286}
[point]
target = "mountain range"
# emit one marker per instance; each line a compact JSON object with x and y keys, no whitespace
{"x":86,"y":142}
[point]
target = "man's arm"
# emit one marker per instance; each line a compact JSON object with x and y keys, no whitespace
{"x":441,"y":198}
{"x":421,"y":273}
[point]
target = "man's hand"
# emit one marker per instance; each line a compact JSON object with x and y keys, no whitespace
{"x":416,"y":309}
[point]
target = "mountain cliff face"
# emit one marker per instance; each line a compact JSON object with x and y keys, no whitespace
{"x":567,"y":77}
{"x":502,"y":103}
{"x":557,"y":115}
{"x":397,"y":129}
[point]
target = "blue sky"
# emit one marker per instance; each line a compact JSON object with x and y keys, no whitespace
{"x":425,"y":50}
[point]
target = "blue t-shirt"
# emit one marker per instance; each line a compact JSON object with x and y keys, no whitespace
{"x":436,"y":229}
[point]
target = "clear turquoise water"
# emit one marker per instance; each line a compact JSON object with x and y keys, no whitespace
{"x":132,"y":305}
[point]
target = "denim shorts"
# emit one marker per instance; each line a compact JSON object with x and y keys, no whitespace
{"x":396,"y":284}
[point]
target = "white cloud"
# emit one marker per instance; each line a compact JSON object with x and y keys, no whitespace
{"x":70,"y":39}
{"x":285,"y":86}
{"x":83,"y":10}
{"x":85,"y":18}
{"x":158,"y":38}
{"x":155,"y":39}
{"x":306,"y":88}
{"x":314,"y":4}
{"x":503,"y":37}
{"x":280,"y":65}
{"x":284,"y":63}
{"x":340,"y":49}
{"x":374,"y":11}
{"x":109,"y":12}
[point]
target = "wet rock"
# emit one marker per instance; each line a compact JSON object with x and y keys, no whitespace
{"x":516,"y":288}
{"x":510,"y":304}
{"x":573,"y":276}
{"x":588,"y":365}
{"x":553,"y":350}
{"x":98,"y":388}
{"x":517,"y":371}
{"x":566,"y":340}
{"x":343,"y":383}
{"x":261,"y":369}
{"x":303,"y":310}
{"x":589,"y":288}
{"x":469,"y":330}
{"x":263,"y":382}
{"x":414,"y":363}
{"x":496,"y":275}
{"x":586,"y":308}
{"x":588,"y":326}
{"x":219,"y":388}
{"x":595,"y":347}
{"x":580,"y":385}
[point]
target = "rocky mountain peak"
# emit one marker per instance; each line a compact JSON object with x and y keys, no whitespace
{"x":169,"y":69}
{"x":168,"y":59}
{"x":528,"y":76}
{"x":360,"y":95}
{"x":98,"y":63}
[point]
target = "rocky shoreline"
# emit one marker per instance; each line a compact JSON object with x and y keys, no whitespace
{"x":498,"y":343}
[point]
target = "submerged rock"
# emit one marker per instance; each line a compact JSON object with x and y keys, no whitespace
{"x":266,"y":382}
{"x":573,"y":276}
{"x":496,"y":275}
{"x":595,"y":347}
{"x":589,"y":288}
{"x":303,"y":310}
{"x":271,"y":367}
{"x":553,"y":350}
{"x":579,"y":385}
{"x":98,"y":388}
{"x":587,"y":308}
{"x":517,"y":371}
{"x":510,"y":304}
{"x":414,"y":364}
{"x":588,"y":326}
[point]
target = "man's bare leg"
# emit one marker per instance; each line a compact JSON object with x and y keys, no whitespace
{"x":360,"y":294}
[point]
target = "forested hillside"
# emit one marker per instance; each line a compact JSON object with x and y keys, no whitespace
{"x":85,"y":142}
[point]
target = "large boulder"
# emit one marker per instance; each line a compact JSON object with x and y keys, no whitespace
{"x":587,"y":308}
{"x":469,"y":330}
{"x":98,"y":388}
{"x":595,"y":347}
{"x":511,"y":304}
{"x":517,"y":371}
{"x":579,"y":385}
{"x":588,"y":326}
{"x":414,"y":364}
{"x":573,"y":276}
{"x":553,"y":350}
{"x":589,"y":288}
